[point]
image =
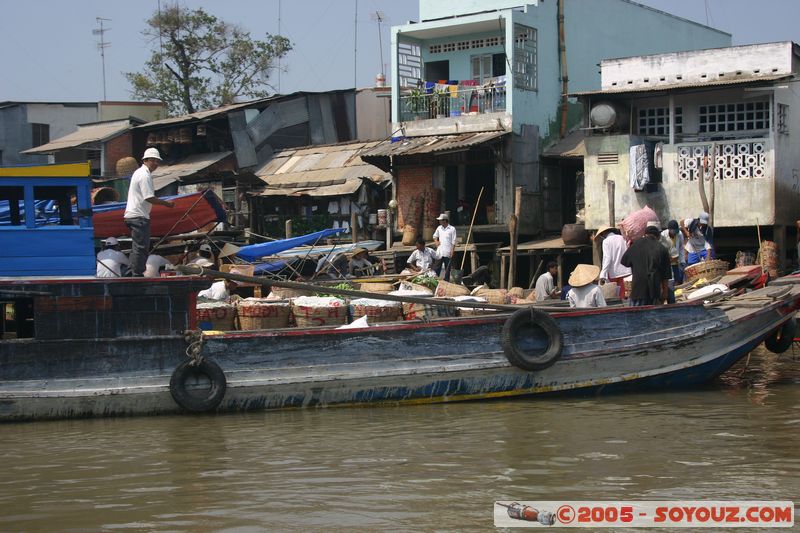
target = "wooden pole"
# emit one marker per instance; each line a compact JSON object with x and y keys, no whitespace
{"x":702,"y":187}
{"x":514,"y":232}
{"x":354,"y":226}
{"x":469,"y":233}
{"x":713,"y":167}
{"x":288,"y":228}
{"x":512,"y":265}
{"x":611,"y":214}
{"x":760,"y":254}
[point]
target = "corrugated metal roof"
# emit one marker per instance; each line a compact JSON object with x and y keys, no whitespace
{"x":338,"y":189}
{"x":90,"y":133}
{"x":325,"y":170}
{"x":167,"y":174}
{"x":205,"y":114}
{"x":688,"y":85}
{"x":571,"y":146}
{"x":431,"y":144}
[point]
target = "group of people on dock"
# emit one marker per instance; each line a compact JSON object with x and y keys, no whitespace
{"x":653,"y":263}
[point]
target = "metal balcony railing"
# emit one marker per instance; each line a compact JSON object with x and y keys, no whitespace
{"x":417,"y":105}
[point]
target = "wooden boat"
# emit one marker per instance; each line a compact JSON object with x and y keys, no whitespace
{"x":191,"y":212}
{"x":111,"y":347}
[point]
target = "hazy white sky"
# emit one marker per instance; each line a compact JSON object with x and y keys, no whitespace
{"x":50,"y":54}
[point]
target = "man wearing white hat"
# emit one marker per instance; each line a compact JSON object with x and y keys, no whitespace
{"x":699,"y":245}
{"x":141,"y":198}
{"x":205,"y":256}
{"x":445,"y":239}
{"x":614,"y":247}
{"x":110,"y":260}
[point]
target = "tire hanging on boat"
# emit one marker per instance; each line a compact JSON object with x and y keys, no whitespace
{"x":782,"y":338}
{"x":192,"y":402}
{"x":518,"y":325}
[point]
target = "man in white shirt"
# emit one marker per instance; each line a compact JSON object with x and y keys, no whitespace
{"x":205,"y":257}
{"x":546,"y":284}
{"x":141,"y":198}
{"x":155,"y":264}
{"x":445,"y":239}
{"x":422,"y":259}
{"x":614,"y":247}
{"x":110,"y":260}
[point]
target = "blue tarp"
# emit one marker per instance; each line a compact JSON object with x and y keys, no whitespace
{"x":264,"y":249}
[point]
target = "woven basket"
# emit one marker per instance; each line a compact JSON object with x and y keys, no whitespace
{"x":259,"y":313}
{"x":745,"y":258}
{"x":445,"y":288}
{"x":308,"y":316}
{"x":214,"y":316}
{"x":409,"y":235}
{"x":768,"y":257}
{"x":126,"y":166}
{"x":381,"y":288}
{"x":493,"y":296}
{"x":519,"y":292}
{"x":407,"y":285}
{"x":286,"y":294}
{"x":376,"y":311}
{"x":415,"y":311}
{"x":705,"y":269}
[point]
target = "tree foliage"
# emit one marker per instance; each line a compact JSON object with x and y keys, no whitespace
{"x":200,"y":62}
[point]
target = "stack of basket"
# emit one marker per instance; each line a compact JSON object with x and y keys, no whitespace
{"x":705,"y":269}
{"x":260,"y":313}
{"x":446,"y":289}
{"x":218,"y":316}
{"x":376,"y":287}
{"x":376,"y":311}
{"x":492,"y":296}
{"x":319,"y":311}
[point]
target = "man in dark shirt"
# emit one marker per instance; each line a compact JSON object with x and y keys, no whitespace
{"x":649,"y":263}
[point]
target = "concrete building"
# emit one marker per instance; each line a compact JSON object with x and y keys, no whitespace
{"x":731,"y":112}
{"x":25,"y":125}
{"x":494,"y":69}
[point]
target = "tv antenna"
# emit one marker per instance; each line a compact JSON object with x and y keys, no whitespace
{"x":379,"y":17}
{"x":102,"y":45}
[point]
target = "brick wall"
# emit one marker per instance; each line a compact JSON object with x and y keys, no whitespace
{"x":412,"y":186}
{"x":116,"y":149}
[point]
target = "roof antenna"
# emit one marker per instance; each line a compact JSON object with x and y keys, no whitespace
{"x":102,"y":45}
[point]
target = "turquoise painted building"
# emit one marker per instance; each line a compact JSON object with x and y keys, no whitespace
{"x":494,"y":68}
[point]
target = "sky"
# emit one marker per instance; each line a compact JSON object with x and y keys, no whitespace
{"x":50,"y":54}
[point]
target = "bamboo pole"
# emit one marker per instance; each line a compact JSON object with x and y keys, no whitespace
{"x":198,"y":270}
{"x":469,"y":233}
{"x":514,"y":231}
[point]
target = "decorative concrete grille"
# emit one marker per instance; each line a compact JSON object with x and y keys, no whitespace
{"x":734,"y":160}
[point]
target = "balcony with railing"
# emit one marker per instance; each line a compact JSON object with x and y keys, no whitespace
{"x":452,"y":101}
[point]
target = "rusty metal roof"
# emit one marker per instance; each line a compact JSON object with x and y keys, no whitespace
{"x":324,"y":170}
{"x":688,"y":85}
{"x":87,"y":134}
{"x":431,"y":144}
{"x":572,"y":146}
{"x":166,"y":174}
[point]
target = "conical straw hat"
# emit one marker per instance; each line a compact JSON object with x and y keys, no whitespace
{"x":583,"y":275}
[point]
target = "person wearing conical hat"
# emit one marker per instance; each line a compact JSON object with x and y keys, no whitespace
{"x":613,"y":246}
{"x":584,"y":292}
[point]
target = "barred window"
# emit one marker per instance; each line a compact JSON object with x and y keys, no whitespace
{"x":743,"y":116}
{"x":525,"y":58}
{"x":655,"y":121}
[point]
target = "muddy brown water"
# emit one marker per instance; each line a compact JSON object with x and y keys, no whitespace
{"x":421,"y":468}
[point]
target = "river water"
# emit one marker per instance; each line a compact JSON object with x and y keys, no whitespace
{"x":421,"y":468}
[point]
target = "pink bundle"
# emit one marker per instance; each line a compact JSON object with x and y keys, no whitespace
{"x":634,"y":224}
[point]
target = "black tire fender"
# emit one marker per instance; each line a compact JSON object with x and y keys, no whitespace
{"x":520,"y":324}
{"x":193,"y":402}
{"x":782,"y":338}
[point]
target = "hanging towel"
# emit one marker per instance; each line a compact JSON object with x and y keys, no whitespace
{"x":639,"y":167}
{"x":333,"y":207}
{"x":658,"y":155}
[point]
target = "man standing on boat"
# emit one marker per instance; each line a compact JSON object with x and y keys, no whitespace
{"x":445,"y":238}
{"x":650,"y":265}
{"x":141,"y":198}
{"x":614,"y":246}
